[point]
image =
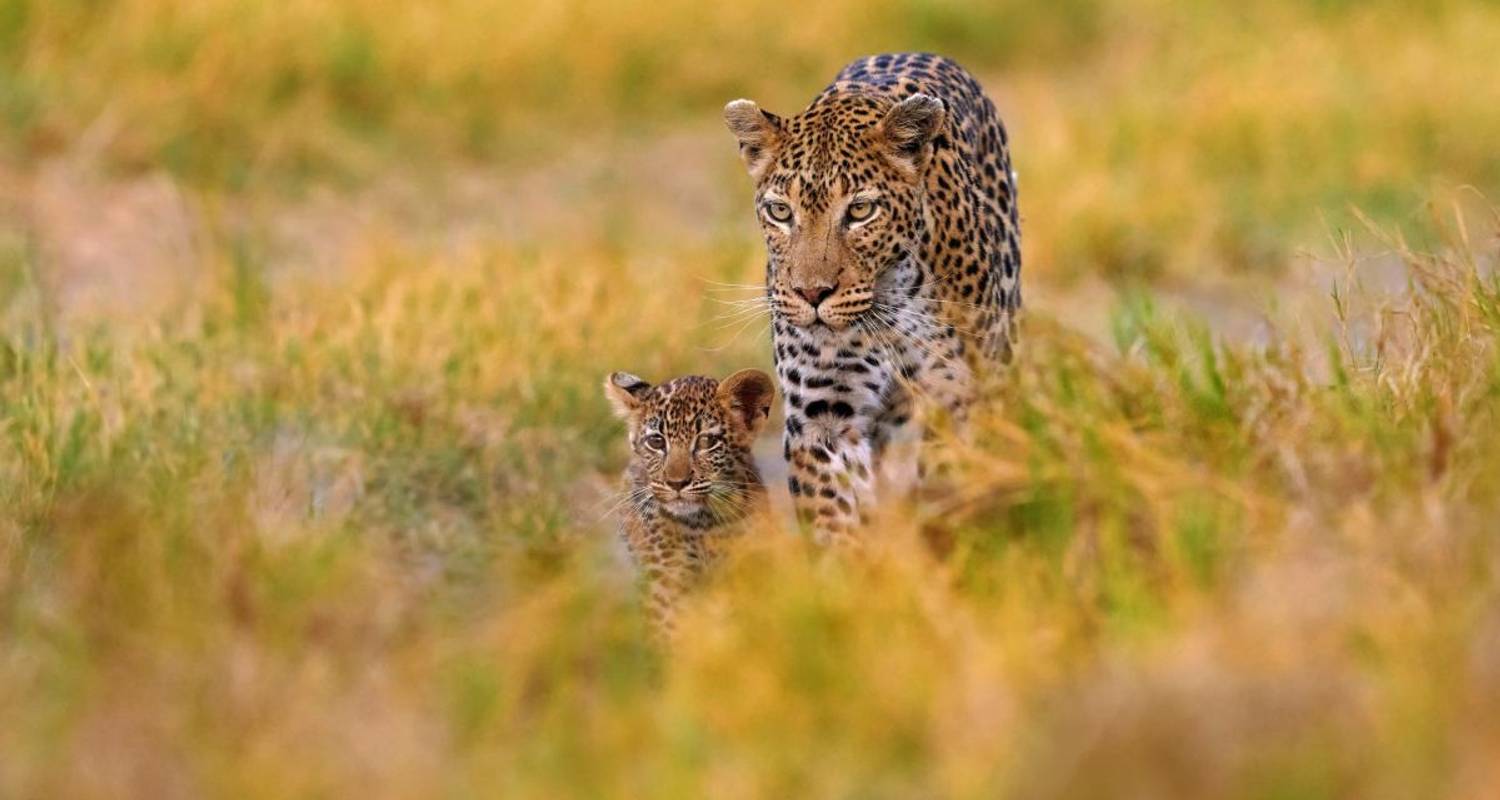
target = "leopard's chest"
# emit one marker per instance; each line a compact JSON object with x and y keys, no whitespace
{"x":838,"y":382}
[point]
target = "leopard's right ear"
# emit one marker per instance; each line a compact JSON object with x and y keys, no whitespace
{"x":909,"y":128}
{"x":625,"y":392}
{"x":758,"y":132}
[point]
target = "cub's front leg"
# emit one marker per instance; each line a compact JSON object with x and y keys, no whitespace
{"x":665,"y":566}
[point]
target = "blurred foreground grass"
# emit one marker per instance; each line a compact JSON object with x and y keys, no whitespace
{"x":334,"y":541}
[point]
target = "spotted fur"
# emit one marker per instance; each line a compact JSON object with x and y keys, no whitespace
{"x":692,"y":480}
{"x":893,"y":272}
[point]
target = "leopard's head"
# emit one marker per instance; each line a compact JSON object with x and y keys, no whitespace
{"x":691,"y":439}
{"x":839,"y":193}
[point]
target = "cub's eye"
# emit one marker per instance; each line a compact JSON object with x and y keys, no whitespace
{"x":656,"y":442}
{"x":709,"y":441}
{"x":779,"y":211}
{"x":860,"y":210}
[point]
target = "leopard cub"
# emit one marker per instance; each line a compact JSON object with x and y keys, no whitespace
{"x":692,"y":481}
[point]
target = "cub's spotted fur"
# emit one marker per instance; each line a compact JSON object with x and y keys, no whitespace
{"x":692,"y":480}
{"x":893,"y":273}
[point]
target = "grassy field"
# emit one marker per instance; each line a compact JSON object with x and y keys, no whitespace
{"x":305,"y":469}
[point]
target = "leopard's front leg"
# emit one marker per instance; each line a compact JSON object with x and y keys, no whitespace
{"x":833,"y":390}
{"x":830,"y":474}
{"x":936,"y":380}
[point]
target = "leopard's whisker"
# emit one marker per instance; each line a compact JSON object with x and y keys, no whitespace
{"x":765,"y":329}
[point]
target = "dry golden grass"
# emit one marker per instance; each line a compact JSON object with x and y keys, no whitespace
{"x":328,"y":517}
{"x":348,"y":543}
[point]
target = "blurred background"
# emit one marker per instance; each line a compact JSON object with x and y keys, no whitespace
{"x":1157,"y":140}
{"x":306,"y":482}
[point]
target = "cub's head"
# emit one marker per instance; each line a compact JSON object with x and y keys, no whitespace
{"x":691,"y":438}
{"x":839,"y":192}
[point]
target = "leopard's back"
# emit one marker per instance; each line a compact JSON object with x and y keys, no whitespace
{"x":974,"y":246}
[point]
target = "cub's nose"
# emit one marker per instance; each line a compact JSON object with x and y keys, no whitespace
{"x":816,"y":294}
{"x":678,"y":485}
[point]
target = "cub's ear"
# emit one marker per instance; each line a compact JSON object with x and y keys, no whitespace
{"x":747,"y":395}
{"x":625,"y":392}
{"x":908,"y":129}
{"x":757,"y":131}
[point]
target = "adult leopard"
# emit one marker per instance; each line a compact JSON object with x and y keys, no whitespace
{"x":893,"y":271}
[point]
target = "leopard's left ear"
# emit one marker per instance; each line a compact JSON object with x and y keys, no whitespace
{"x":625,"y":392}
{"x":747,"y":395}
{"x":758,"y":132}
{"x":909,"y":128}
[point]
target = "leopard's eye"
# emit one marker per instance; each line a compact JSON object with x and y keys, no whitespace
{"x":860,"y":210}
{"x":656,"y":442}
{"x":779,"y":211}
{"x":709,"y":441}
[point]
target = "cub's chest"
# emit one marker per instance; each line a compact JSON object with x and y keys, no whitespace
{"x":663,"y":540}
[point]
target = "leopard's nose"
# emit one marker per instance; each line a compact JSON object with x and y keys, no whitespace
{"x":815,"y":295}
{"x":678,"y":485}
